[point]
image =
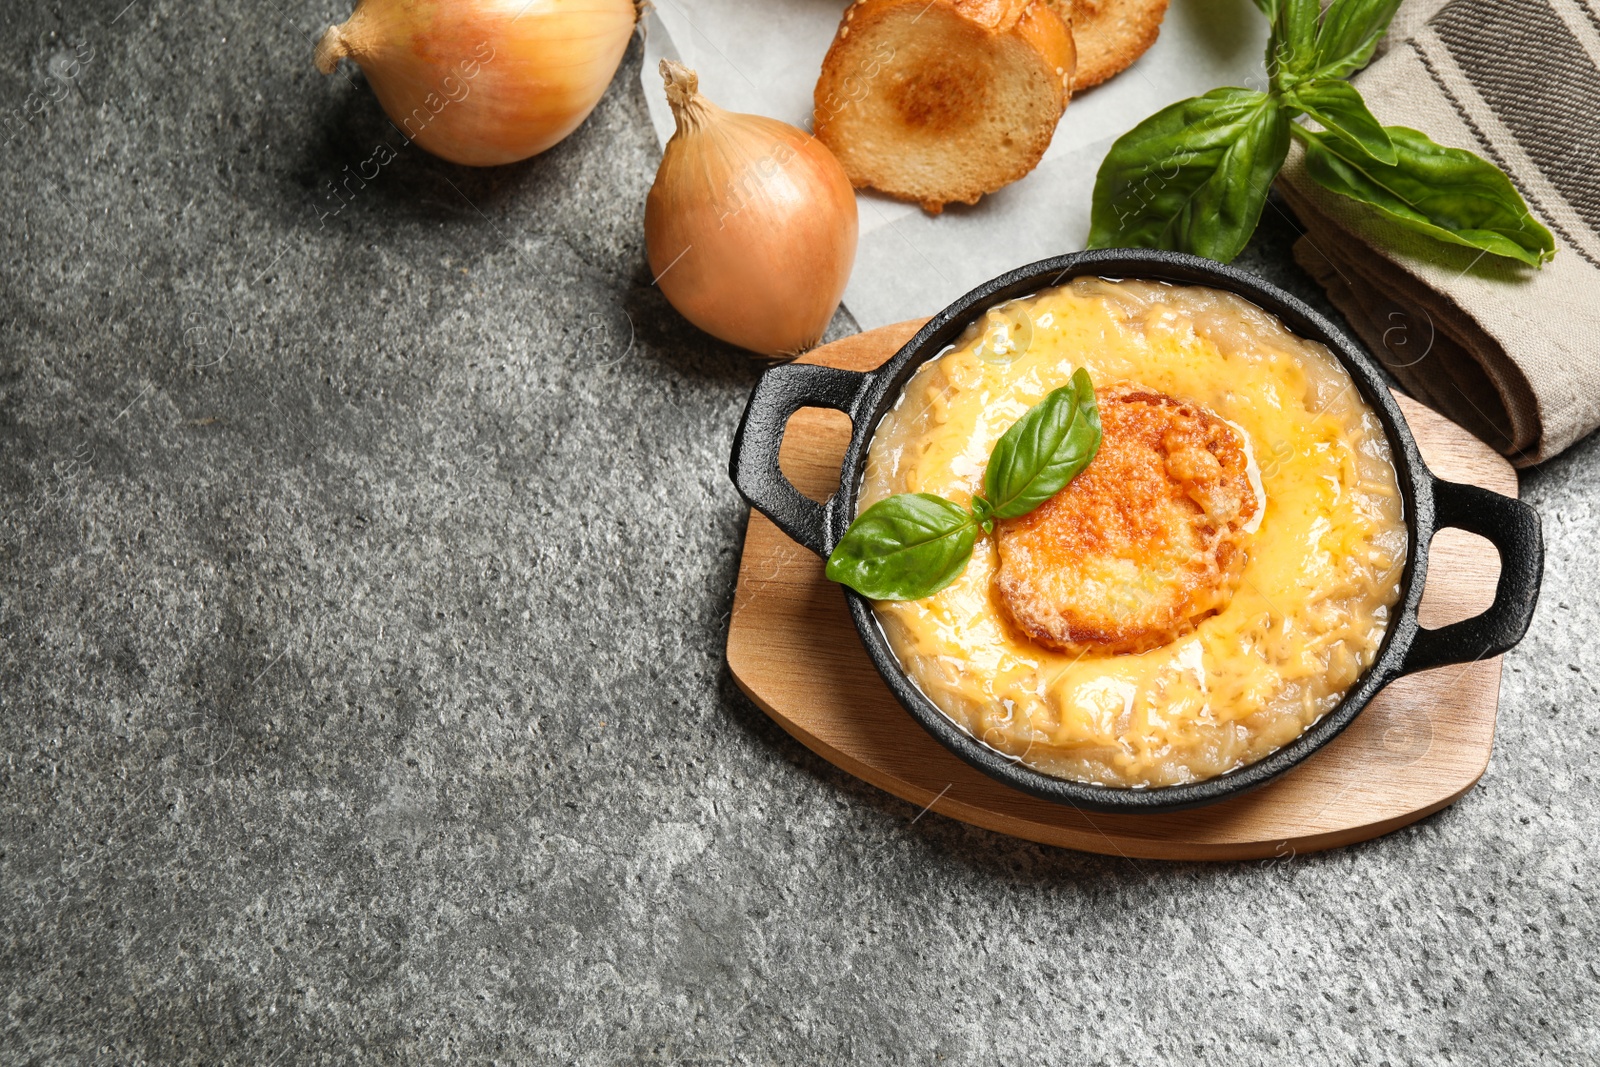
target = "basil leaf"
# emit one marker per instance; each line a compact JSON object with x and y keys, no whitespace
{"x":1043,"y":450}
{"x":1293,"y":47}
{"x":1446,"y":193}
{"x":1193,"y":176}
{"x":1338,"y":106}
{"x":1350,"y":31}
{"x":904,"y":547}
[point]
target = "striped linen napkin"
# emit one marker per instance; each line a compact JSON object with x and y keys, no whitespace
{"x":1510,"y":352}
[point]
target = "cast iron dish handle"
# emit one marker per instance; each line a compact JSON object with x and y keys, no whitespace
{"x":1513,"y":528}
{"x":780,"y":393}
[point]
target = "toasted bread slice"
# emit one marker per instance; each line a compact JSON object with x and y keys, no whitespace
{"x":1145,"y":543}
{"x":1109,"y":34}
{"x":940,"y":101}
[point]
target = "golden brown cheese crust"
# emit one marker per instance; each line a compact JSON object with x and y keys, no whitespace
{"x":1143,"y":544}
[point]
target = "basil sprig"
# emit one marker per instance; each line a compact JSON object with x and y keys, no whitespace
{"x":1194,"y":176}
{"x":912,"y":545}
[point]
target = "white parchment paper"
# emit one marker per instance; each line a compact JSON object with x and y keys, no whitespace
{"x":763,"y":56}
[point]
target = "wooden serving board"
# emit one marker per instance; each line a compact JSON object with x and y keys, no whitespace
{"x":1421,"y":744}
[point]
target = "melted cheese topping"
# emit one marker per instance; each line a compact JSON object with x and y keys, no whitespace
{"x":1324,"y":565}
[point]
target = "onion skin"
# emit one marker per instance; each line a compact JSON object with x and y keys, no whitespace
{"x":750,"y":227}
{"x":484,"y":82}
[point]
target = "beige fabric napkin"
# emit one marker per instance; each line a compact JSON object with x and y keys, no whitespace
{"x":1510,"y":352}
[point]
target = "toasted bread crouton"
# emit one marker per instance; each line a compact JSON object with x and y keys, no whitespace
{"x":1143,"y":544}
{"x":1109,"y":34}
{"x":941,"y":101}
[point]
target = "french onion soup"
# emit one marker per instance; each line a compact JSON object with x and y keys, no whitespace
{"x":1205,"y":589}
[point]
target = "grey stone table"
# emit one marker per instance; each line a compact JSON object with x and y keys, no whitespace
{"x":364,"y":575}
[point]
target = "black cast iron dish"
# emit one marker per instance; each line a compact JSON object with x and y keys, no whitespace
{"x":1430,"y":505}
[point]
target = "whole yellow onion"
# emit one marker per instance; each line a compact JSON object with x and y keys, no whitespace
{"x":484,"y":82}
{"x":750,"y":226}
